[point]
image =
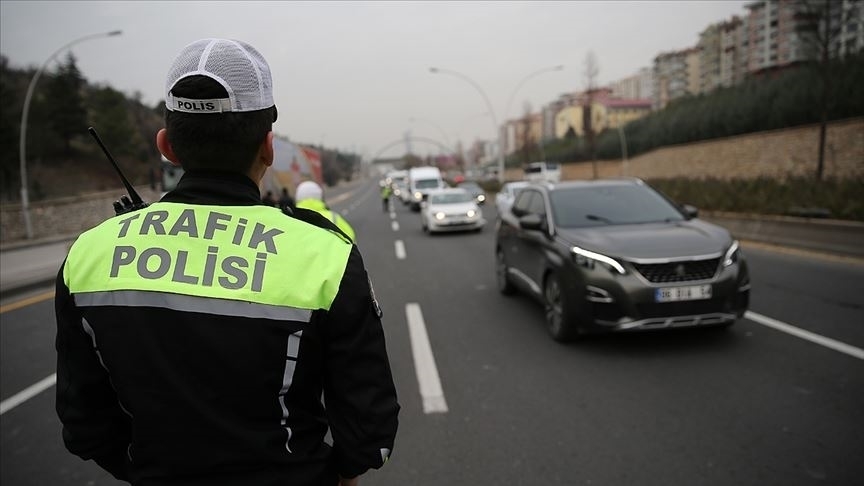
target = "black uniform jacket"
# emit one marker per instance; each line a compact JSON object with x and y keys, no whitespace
{"x":163,"y":397}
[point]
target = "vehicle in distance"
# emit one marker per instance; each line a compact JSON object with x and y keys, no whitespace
{"x":475,"y":190}
{"x":451,"y":209}
{"x":542,"y":172}
{"x":421,"y":180}
{"x":616,"y":255}
{"x":505,"y":196}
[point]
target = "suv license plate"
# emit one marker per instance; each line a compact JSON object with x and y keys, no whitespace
{"x":675,"y":294}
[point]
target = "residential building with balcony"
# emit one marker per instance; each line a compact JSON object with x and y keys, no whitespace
{"x":637,"y":86}
{"x":676,"y":74}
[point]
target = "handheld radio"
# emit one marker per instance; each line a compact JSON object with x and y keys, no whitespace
{"x":125,"y":204}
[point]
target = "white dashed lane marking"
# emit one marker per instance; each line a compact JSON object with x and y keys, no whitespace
{"x":424,"y":362}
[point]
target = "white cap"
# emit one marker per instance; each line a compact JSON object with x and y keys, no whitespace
{"x":308,"y":190}
{"x":237,"y":66}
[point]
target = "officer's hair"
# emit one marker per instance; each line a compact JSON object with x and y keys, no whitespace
{"x":220,"y":141}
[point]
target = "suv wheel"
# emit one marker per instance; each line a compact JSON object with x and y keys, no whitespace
{"x":560,"y":318}
{"x":501,"y":274}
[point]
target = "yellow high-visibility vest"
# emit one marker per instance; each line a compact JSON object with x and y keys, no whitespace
{"x":244,"y":260}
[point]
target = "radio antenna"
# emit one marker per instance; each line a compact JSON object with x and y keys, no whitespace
{"x":136,"y":199}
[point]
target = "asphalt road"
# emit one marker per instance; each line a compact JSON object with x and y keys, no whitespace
{"x":751,"y":405}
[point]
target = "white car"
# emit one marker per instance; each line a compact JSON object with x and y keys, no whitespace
{"x":504,"y":198}
{"x":451,"y":209}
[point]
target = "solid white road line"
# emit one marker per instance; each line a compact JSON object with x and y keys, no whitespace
{"x":400,"y":250}
{"x":424,"y":362}
{"x":392,"y":214}
{"x":395,"y":225}
{"x":809,"y":336}
{"x":28,"y":393}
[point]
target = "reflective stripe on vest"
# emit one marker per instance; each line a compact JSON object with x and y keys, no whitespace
{"x":232,"y":255}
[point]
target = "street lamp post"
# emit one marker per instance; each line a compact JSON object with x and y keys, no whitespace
{"x":22,"y":145}
{"x":437,"y":126}
{"x":516,"y":89}
{"x":497,"y":130}
{"x":623,"y":140}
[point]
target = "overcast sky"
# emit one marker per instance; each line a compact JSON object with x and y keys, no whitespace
{"x":353,"y":75}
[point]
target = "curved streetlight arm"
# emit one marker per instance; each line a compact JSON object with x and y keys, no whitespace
{"x":496,"y":129}
{"x":22,"y":145}
{"x":525,"y":80}
{"x":437,"y":126}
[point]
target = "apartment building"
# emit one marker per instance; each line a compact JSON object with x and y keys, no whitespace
{"x":521,"y":131}
{"x":710,"y":55}
{"x":607,"y":112}
{"x":637,"y":86}
{"x":733,"y":51}
{"x":847,"y":16}
{"x":676,"y":74}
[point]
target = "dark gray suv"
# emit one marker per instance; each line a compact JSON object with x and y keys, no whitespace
{"x":616,"y":255}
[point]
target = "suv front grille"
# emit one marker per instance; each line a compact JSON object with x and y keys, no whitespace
{"x":678,"y":271}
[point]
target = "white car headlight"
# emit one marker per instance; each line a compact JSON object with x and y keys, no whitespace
{"x":418,"y":195}
{"x":439,"y":215}
{"x":471,"y":213}
{"x":481,"y":198}
{"x":587,"y":258}
{"x":731,"y":254}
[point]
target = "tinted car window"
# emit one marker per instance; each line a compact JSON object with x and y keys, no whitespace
{"x":522,"y":204}
{"x":536,"y":204}
{"x":426,"y":183}
{"x":579,"y":207}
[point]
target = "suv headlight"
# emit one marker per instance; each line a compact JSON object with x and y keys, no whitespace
{"x":587,"y":259}
{"x":731,"y":254}
{"x":439,"y":216}
{"x":418,"y":195}
{"x":471,"y":213}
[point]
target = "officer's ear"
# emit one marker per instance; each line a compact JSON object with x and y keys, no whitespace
{"x":165,"y":148}
{"x":265,"y":151}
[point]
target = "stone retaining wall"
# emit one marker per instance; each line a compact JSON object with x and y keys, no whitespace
{"x":61,"y":216}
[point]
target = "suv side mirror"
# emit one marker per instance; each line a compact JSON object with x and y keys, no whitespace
{"x":690,"y":211}
{"x":532,"y":222}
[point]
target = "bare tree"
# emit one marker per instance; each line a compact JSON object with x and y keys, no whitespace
{"x":824,"y":26}
{"x":526,"y":139}
{"x":591,"y":70}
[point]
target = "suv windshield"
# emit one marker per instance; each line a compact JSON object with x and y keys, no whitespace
{"x":425,"y":183}
{"x":579,"y":207}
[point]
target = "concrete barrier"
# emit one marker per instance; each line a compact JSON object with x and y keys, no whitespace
{"x":829,"y":236}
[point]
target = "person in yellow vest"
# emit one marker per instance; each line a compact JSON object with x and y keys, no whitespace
{"x":385,"y":196}
{"x":310,"y":195}
{"x":196,"y":336}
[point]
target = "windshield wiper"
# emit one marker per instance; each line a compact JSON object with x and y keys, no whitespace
{"x":594,"y":217}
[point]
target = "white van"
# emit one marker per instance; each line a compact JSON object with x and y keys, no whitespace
{"x":421,"y":180}
{"x":543,"y":172}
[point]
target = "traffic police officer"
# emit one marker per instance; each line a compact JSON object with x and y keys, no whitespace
{"x":311,"y":196}
{"x":197,"y":336}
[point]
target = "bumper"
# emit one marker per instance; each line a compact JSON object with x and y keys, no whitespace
{"x":624,"y":303}
{"x":436,"y":226}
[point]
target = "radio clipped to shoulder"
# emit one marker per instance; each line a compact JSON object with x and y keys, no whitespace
{"x":126,"y":203}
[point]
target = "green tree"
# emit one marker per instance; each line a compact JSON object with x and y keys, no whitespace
{"x":110,"y":115}
{"x":10,"y":118}
{"x":68,"y":117}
